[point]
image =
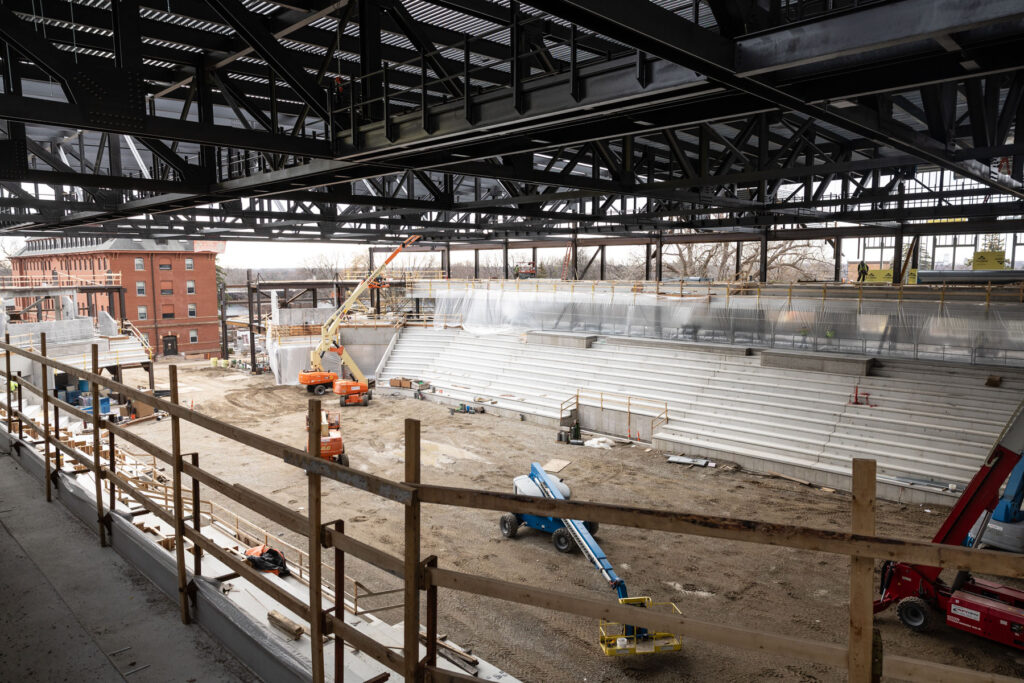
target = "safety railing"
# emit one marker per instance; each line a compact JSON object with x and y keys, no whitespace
{"x":422,"y":577}
{"x":60,"y":279}
{"x":988,"y":294}
{"x":129,"y":328}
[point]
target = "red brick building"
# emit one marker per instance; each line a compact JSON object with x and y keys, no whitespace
{"x":170,"y":289}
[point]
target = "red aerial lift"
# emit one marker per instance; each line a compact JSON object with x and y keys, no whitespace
{"x":981,"y":607}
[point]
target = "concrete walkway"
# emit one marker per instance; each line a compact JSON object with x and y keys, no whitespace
{"x":72,"y":611}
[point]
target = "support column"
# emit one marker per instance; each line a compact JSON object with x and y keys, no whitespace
{"x":647,"y":261}
{"x":252,"y":331}
{"x":120,"y":306}
{"x":897,"y":247}
{"x":659,"y":259}
{"x":837,"y":253}
{"x":97,"y":474}
{"x":223,"y":322}
{"x":762,"y":270}
{"x":448,"y":261}
{"x":739,"y":261}
{"x":574,"y":257}
{"x":861,"y":635}
{"x":46,"y":414}
{"x":600,"y":264}
{"x":533,"y":257}
{"x":504,"y":259}
{"x":476,"y":264}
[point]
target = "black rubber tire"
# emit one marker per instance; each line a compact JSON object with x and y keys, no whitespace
{"x":509,"y":525}
{"x":343,"y":459}
{"x":309,"y":388}
{"x":319,"y":390}
{"x":369,"y":394}
{"x":592,"y":527}
{"x":916,"y":614}
{"x":563,"y":541}
{"x":366,"y":401}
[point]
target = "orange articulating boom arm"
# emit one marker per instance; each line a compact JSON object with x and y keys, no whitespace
{"x":329,"y":331}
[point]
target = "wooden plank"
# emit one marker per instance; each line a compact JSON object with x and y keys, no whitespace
{"x":294,"y":456}
{"x":339,"y":603}
{"x":730,"y":528}
{"x":95,"y":390}
{"x":610,"y":610}
{"x":862,"y":574}
{"x":902,"y":668}
{"x":365,"y":644}
{"x":46,"y":417}
{"x":280,"y":621}
{"x":179,"y":508}
{"x":367,"y":553}
{"x":313,"y":552}
{"x":411,"y":613}
{"x":243,"y":569}
{"x":438,"y":675}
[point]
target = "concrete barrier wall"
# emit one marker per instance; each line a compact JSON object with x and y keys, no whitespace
{"x":366,"y":345}
{"x":837,"y":364}
{"x":616,"y":422}
{"x":565,"y":339}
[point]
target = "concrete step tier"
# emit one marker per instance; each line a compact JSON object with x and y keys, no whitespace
{"x":925,"y":431}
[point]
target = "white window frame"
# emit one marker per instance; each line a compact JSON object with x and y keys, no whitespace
{"x":193,"y":336}
{"x":190,"y":286}
{"x":140,"y":264}
{"x":140,"y":288}
{"x":143,"y":313}
{"x":192,"y":312}
{"x":190,"y":264}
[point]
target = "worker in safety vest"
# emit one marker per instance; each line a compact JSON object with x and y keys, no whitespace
{"x":13,"y":385}
{"x":862,"y":271}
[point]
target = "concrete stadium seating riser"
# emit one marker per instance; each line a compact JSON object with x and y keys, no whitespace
{"x":916,"y":428}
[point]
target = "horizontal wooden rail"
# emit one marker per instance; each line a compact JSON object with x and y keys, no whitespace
{"x":822,"y":540}
{"x":787,"y":646}
{"x":378,"y":485}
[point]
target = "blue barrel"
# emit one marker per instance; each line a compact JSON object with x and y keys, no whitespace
{"x":83,"y":385}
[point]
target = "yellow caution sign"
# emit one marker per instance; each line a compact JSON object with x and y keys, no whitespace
{"x":884,"y":276}
{"x":989,"y":260}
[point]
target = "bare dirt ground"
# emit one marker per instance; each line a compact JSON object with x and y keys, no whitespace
{"x":779,"y":590}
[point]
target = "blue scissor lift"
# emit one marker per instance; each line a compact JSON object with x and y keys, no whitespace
{"x":616,"y":639}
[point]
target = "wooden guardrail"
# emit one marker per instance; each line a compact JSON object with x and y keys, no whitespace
{"x":423,"y":576}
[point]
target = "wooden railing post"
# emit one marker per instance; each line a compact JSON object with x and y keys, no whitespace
{"x":21,"y":407}
{"x":339,"y":605}
{"x":97,"y":471}
{"x":56,"y":435}
{"x":411,"y":625}
{"x":46,"y":415}
{"x":179,"y":506}
{"x":431,"y":658}
{"x":316,"y":617}
{"x":862,"y":572}
{"x":197,"y":518}
{"x":7,"y":376}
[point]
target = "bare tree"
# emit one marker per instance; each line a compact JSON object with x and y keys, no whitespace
{"x":787,"y":261}
{"x":323,"y":265}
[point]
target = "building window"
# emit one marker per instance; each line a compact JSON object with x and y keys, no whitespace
{"x":190,"y":286}
{"x":166,"y":287}
{"x":143,"y":313}
{"x":148,"y":340}
{"x":189,"y":264}
{"x":140,"y":264}
{"x":167,"y":311}
{"x":140,"y":288}
{"x":165,"y":266}
{"x":193,"y":336}
{"x":191,"y":310}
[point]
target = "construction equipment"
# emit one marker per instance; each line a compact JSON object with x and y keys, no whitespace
{"x":616,"y":639}
{"x":1006,"y":528}
{"x":318,"y":380}
{"x":523,"y":270}
{"x":974,"y":605}
{"x":332,"y":446}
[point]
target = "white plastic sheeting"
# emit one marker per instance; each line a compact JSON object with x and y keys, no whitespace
{"x":964,"y":332}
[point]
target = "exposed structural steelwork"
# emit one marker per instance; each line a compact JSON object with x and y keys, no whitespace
{"x":476,"y":121}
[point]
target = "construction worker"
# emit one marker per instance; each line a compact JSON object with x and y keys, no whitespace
{"x":515,"y":271}
{"x":862,"y":271}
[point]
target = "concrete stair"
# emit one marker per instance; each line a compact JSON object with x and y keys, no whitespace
{"x":928,"y":428}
